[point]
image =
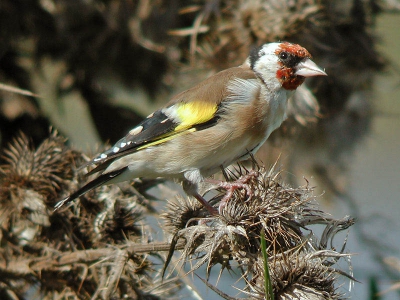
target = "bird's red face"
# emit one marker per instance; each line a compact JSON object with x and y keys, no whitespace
{"x":290,"y":55}
{"x":288,"y":64}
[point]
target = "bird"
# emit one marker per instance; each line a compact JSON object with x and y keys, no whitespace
{"x":224,"y":119}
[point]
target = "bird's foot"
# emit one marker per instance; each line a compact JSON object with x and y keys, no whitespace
{"x":240,"y":183}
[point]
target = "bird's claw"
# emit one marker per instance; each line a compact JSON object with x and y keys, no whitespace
{"x":240,"y":183}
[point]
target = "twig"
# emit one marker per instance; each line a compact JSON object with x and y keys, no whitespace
{"x":51,"y":262}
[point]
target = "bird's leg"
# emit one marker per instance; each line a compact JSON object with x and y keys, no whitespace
{"x":213,"y":211}
{"x":231,"y":186}
{"x":191,"y":189}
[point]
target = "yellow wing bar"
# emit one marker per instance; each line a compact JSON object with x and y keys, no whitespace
{"x":194,"y":113}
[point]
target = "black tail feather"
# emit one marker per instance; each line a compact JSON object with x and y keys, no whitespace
{"x":102,"y":179}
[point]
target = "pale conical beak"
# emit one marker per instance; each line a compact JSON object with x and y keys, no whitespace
{"x":308,"y":68}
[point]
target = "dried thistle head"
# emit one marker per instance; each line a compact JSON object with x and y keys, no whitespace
{"x":282,"y":212}
{"x":179,"y":212}
{"x":299,"y":274}
{"x":45,"y":170}
{"x":29,"y":181}
{"x":235,"y":232}
{"x":119,"y":215}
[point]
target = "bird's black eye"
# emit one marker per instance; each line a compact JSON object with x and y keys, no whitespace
{"x":283,"y":55}
{"x":288,"y":59}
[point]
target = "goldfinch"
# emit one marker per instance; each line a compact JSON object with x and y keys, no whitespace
{"x":221,"y":120}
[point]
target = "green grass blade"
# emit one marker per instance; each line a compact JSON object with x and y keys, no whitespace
{"x":269,"y":293}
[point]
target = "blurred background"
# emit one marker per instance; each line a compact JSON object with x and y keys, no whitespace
{"x":97,"y":68}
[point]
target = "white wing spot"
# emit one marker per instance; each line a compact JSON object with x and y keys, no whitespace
{"x":128,"y":143}
{"x":150,"y":115}
{"x":171,"y":113}
{"x":136,"y":130}
{"x":116,"y":149}
{"x":163,"y":121}
{"x":122,"y":145}
{"x":103,"y":155}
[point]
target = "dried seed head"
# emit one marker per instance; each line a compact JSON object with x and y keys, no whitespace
{"x":299,"y":275}
{"x":29,"y":182}
{"x":45,"y":170}
{"x":119,"y":217}
{"x":283,"y":213}
{"x":179,"y":212}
